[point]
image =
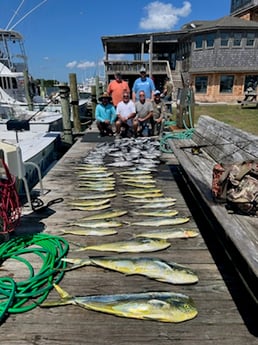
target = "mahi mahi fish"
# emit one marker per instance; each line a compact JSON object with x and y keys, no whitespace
{"x":156,"y":213}
{"x":97,"y":224}
{"x":105,"y":215}
{"x":98,"y":174}
{"x":160,"y":199}
{"x":140,"y":191}
{"x":97,"y":196}
{"x":157,"y":205}
{"x":155,"y":306}
{"x":134,"y":245}
{"x":88,"y":202}
{"x":144,"y":195}
{"x":166,"y":272}
{"x":90,"y":232}
{"x":91,"y":208}
{"x":169,"y":233}
{"x":140,"y":185}
{"x":133,"y":172}
{"x":159,"y":221}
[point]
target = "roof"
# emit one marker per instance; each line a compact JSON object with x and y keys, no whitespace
{"x":227,"y":22}
{"x":132,"y":43}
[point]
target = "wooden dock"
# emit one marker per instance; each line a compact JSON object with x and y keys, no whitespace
{"x":226,"y":313}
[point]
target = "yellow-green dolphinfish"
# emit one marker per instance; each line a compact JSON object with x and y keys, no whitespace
{"x":155,"y":306}
{"x":166,"y":272}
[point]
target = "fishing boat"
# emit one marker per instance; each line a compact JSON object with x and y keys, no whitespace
{"x":29,"y":129}
{"x":19,"y":95}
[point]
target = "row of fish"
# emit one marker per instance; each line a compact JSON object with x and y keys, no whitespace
{"x":141,"y":158}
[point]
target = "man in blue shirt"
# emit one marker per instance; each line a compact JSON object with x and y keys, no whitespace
{"x":105,"y":115}
{"x":143,"y":83}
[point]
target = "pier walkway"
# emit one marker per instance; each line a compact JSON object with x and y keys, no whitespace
{"x":226,"y":314}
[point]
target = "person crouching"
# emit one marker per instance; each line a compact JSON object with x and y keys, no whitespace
{"x":125,"y":114}
{"x":105,"y":115}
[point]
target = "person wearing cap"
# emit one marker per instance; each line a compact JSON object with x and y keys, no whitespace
{"x":116,"y":88}
{"x":105,"y":115}
{"x":144,"y":113}
{"x":125,"y":114}
{"x":167,"y":93}
{"x":158,"y":113}
{"x":143,"y":83}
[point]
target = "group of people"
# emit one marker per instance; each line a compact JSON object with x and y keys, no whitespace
{"x":141,"y":115}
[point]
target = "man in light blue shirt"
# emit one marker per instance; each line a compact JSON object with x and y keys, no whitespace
{"x":105,"y":115}
{"x":143,"y":83}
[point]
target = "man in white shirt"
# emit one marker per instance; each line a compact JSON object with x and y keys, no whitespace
{"x":125,"y":114}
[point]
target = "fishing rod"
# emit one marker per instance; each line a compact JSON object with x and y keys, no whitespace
{"x":196,"y":149}
{"x":216,"y":144}
{"x":26,"y":14}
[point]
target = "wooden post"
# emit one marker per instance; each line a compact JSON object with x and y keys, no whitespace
{"x":75,"y":102}
{"x":93,"y":100}
{"x":27,"y":90}
{"x":64,"y":91}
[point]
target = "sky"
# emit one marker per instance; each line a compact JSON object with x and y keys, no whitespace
{"x":63,"y":37}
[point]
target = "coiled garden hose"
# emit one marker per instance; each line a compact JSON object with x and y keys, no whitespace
{"x":22,"y":296}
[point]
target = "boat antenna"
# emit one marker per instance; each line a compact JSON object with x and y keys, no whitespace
{"x":28,"y":13}
{"x":14,"y":15}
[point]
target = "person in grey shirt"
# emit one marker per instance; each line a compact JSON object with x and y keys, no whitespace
{"x":144,"y":113}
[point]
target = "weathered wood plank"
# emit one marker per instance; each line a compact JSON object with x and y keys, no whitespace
{"x":218,"y":322}
{"x":240,"y":230}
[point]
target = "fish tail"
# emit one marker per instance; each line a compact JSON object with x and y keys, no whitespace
{"x":76,"y":263}
{"x":65,"y":298}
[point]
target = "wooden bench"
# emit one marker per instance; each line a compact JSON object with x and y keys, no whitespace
{"x":219,"y":142}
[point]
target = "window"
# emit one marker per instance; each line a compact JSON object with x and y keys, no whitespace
{"x":250,"y":36}
{"x":224,"y":39}
{"x":198,"y":42}
{"x":201,"y":84}
{"x":237,"y":38}
{"x":226,"y":83}
{"x":251,"y":79}
{"x":210,"y":40}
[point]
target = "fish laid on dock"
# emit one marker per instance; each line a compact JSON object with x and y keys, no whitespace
{"x":166,"y":272}
{"x":97,"y":196}
{"x":169,"y":233}
{"x":120,"y":164}
{"x":161,"y":221}
{"x":143,"y":195}
{"x":95,"y":189}
{"x":133,"y":172}
{"x":87,"y":202}
{"x":90,"y":232}
{"x":91,"y":208}
{"x":138,"y":191}
{"x":150,"y":200}
{"x":155,"y":306}
{"x":97,"y":224}
{"x":156,"y":213}
{"x":98,"y":174}
{"x":140,"y":185}
{"x":134,"y":245}
{"x":157,"y":205}
{"x":106,"y":215}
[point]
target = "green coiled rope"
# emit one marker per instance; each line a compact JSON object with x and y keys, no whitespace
{"x":22,"y":296}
